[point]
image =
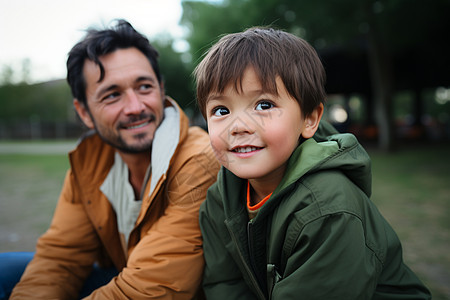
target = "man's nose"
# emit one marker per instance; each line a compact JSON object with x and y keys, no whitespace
{"x":133,"y":104}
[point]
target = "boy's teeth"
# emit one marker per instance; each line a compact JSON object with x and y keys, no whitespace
{"x":245,"y":149}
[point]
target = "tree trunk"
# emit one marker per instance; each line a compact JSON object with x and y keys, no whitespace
{"x":380,"y":64}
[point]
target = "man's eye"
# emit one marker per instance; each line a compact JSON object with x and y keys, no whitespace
{"x":111,"y":96}
{"x":263,"y":105}
{"x":145,"y":87}
{"x":220,"y":111}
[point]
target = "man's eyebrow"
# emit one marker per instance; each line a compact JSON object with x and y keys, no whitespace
{"x":146,"y":78}
{"x":106,"y":89}
{"x":115,"y":86}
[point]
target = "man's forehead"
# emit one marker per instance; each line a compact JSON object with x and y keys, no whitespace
{"x":122,"y":65}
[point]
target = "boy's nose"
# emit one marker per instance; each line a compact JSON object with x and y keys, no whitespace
{"x":242,"y":126}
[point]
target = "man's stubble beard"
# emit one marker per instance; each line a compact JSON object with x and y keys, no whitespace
{"x":116,"y":141}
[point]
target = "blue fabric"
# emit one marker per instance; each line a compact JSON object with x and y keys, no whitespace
{"x":12,"y":265}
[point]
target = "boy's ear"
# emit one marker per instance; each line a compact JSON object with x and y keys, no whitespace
{"x":312,"y":122}
{"x":83,"y":113}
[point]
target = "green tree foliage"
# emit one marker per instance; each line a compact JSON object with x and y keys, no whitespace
{"x":401,"y":23}
{"x":385,"y":31}
{"x":49,"y":101}
{"x":207,"y":21}
{"x":176,"y":74}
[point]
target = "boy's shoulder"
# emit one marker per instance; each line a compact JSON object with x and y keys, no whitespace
{"x":319,"y":195}
{"x":333,"y":191}
{"x":220,"y":194}
{"x":328,"y":177}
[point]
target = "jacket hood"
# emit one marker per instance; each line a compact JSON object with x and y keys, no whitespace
{"x":338,"y":151}
{"x":328,"y":150}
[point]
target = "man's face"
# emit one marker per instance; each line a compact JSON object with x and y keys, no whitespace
{"x":126,"y":107}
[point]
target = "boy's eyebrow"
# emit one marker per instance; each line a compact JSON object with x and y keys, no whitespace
{"x":215,"y":96}
{"x":256,"y":93}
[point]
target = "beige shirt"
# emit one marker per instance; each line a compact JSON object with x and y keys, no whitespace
{"x":119,"y":192}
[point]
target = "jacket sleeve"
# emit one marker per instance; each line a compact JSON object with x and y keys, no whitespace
{"x":70,"y":243}
{"x":222,"y":277}
{"x":332,"y":259}
{"x":329,"y":261}
{"x":167,"y":262}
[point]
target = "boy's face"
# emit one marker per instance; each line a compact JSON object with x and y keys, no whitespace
{"x":254,"y":133}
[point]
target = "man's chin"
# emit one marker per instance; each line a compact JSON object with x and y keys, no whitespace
{"x":131,"y":144}
{"x":131,"y":148}
{"x":127,"y":148}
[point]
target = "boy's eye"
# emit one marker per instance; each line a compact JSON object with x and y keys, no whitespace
{"x":220,"y":111}
{"x":263,"y":105}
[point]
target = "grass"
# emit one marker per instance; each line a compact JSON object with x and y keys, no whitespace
{"x":410,"y":187}
{"x":29,"y":189}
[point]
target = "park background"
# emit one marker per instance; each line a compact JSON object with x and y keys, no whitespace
{"x":388,"y":82}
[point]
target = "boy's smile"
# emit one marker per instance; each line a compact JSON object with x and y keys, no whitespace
{"x":253,"y":133}
{"x":242,"y":150}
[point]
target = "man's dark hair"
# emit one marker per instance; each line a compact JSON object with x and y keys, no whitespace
{"x":97,"y":43}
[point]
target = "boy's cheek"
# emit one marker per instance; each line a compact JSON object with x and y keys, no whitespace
{"x":219,"y":149}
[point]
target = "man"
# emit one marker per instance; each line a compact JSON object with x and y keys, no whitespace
{"x":131,"y":197}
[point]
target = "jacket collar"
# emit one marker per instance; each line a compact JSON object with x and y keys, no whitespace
{"x":93,"y":158}
{"x":340,"y":151}
{"x":164,"y":144}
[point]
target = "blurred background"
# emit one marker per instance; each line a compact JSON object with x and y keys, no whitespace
{"x":388,"y":82}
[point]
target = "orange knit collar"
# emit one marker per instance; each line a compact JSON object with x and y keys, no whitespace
{"x":259,"y":204}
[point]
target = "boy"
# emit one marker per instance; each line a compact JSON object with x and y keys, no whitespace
{"x":288,"y":218}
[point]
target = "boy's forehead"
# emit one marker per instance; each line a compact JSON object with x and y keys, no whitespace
{"x":250,"y":78}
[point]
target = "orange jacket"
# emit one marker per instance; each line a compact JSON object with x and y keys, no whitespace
{"x":164,"y":258}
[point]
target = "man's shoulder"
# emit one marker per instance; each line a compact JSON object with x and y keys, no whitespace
{"x":197,"y":134}
{"x":194,"y":157}
{"x":91,"y":156}
{"x":197,"y":143}
{"x":91,"y":143}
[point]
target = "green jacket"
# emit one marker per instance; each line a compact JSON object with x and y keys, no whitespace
{"x":319,"y":236}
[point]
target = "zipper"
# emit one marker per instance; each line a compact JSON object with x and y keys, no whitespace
{"x":251,"y":249}
{"x":250,"y":244}
{"x":247,"y":269}
{"x":250,"y":240}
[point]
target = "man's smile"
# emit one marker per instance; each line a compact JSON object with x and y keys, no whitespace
{"x":136,"y":124}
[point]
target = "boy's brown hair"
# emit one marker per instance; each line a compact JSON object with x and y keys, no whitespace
{"x":271,"y":53}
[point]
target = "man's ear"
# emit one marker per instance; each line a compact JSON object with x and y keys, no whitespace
{"x":312,"y":122}
{"x":83,"y":113}
{"x":162,"y":90}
